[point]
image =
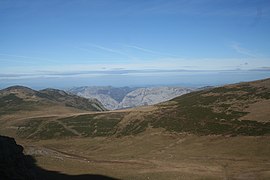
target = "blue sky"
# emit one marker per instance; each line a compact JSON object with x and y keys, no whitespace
{"x":126,"y":42}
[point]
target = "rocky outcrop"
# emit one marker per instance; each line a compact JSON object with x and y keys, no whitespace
{"x":150,"y":96}
{"x":109,"y":96}
{"x":125,"y":97}
{"x":107,"y":101}
{"x":13,"y":163}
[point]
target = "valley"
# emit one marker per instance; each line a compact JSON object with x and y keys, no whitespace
{"x":209,"y":134}
{"x":134,"y":90}
{"x":156,"y":155}
{"x":126,"y":97}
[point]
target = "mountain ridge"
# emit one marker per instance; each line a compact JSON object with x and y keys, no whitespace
{"x":211,"y":134}
{"x":20,"y":98}
{"x":225,"y":110}
{"x":129,"y":97}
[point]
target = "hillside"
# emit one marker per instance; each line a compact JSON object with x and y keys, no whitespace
{"x":151,"y":96}
{"x":125,"y":97}
{"x":227,"y":110}
{"x":217,"y":133}
{"x":16,"y":165}
{"x":221,"y":110}
{"x":19,"y":99}
{"x":109,"y":96}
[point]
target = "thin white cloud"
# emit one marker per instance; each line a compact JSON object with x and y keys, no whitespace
{"x":26,"y":57}
{"x":207,"y":8}
{"x":16,"y":61}
{"x":99,"y":73}
{"x":142,"y":49}
{"x":149,"y":51}
{"x":83,"y":49}
{"x":237,"y":47}
{"x":111,"y":50}
{"x":161,"y":64}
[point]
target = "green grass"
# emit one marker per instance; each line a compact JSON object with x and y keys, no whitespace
{"x":87,"y":126}
{"x":194,"y":112}
{"x":29,"y":127}
{"x":200,"y":112}
{"x":92,"y":125}
{"x":134,"y":128}
{"x":207,"y":123}
{"x":42,"y":128}
{"x":11,"y":103}
{"x":53,"y":130}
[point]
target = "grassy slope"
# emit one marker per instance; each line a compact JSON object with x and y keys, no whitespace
{"x":216,"y":111}
{"x":158,"y":155}
{"x":158,"y":151}
{"x":18,"y":99}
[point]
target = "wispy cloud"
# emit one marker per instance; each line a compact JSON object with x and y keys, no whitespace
{"x":165,"y":64}
{"x":209,"y":8}
{"x":110,"y":50}
{"x":26,"y":57}
{"x":16,"y":61}
{"x":149,"y":50}
{"x":145,"y":72}
{"x":142,"y":49}
{"x":83,"y":49}
{"x":239,"y":49}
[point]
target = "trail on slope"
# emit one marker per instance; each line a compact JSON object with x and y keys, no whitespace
{"x":68,"y":128}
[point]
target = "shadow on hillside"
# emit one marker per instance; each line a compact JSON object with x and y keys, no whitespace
{"x":45,"y":174}
{"x":15,"y":165}
{"x":42,"y":174}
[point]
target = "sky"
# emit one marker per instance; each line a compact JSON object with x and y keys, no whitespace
{"x":66,"y":43}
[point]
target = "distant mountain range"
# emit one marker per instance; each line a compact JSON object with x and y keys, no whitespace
{"x":125,"y":97}
{"x":109,"y":96}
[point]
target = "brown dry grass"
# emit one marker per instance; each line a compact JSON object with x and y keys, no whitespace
{"x":153,"y":154}
{"x":156,"y":154}
{"x":259,"y":111}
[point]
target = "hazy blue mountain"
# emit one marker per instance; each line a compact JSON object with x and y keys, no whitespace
{"x":126,"y":97}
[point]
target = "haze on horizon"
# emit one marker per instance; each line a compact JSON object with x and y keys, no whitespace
{"x":65,"y":43}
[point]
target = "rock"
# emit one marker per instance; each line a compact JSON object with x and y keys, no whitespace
{"x":150,"y":96}
{"x":125,"y":97}
{"x":13,"y":163}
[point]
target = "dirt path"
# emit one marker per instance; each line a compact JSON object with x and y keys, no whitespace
{"x":146,"y":165}
{"x":68,"y":128}
{"x":38,"y":129}
{"x":47,"y":151}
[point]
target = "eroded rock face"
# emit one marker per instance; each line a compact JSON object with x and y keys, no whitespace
{"x":13,"y":163}
{"x":150,"y":96}
{"x":110,"y":97}
{"x":129,"y":97}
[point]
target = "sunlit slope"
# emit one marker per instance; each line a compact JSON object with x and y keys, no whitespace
{"x":22,"y":100}
{"x":223,"y":110}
